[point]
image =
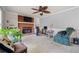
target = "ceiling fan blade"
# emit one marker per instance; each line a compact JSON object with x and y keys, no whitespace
{"x":40,"y":8}
{"x":45,"y":7}
{"x":46,"y":11}
{"x":34,"y":12}
{"x":34,"y":9}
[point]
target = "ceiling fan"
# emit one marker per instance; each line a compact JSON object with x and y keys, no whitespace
{"x":41,"y":10}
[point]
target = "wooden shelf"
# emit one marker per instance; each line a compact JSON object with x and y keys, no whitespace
{"x":26,"y":22}
{"x":22,"y":24}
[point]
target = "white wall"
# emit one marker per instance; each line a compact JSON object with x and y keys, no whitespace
{"x":12,"y":17}
{"x":62,"y":20}
{"x":2,"y":16}
{"x":36,"y":19}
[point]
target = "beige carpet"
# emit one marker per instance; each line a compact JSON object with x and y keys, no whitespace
{"x":43,"y":44}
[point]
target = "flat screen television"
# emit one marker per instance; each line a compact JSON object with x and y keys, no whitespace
{"x":27,"y":19}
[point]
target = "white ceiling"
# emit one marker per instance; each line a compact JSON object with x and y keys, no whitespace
{"x":27,"y":11}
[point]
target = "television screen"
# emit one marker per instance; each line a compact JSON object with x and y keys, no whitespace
{"x":27,"y":19}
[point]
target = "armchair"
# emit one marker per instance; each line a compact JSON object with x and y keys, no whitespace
{"x":63,"y":37}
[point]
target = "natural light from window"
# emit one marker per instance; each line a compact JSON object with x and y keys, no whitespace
{"x":0,"y":18}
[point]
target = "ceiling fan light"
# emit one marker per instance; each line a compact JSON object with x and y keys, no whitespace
{"x":41,"y":14}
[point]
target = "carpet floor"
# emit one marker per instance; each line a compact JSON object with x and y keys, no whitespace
{"x":43,"y":44}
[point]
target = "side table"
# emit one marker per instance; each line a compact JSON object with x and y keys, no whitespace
{"x":76,"y":41}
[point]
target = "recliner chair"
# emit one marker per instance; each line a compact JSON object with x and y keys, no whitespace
{"x":63,"y":37}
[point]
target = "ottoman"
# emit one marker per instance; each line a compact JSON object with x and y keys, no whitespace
{"x":20,"y":48}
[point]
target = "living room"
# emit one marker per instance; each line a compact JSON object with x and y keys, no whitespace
{"x":50,"y":23}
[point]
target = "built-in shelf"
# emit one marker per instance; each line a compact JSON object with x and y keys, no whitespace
{"x":26,"y":22}
{"x":24,"y":26}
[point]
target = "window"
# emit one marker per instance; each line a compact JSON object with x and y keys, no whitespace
{"x":0,"y":18}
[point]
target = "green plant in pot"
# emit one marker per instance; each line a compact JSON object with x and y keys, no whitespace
{"x":12,"y":33}
{"x":4,"y":32}
{"x":16,"y":33}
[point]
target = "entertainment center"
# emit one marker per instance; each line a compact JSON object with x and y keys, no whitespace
{"x":26,"y":24}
